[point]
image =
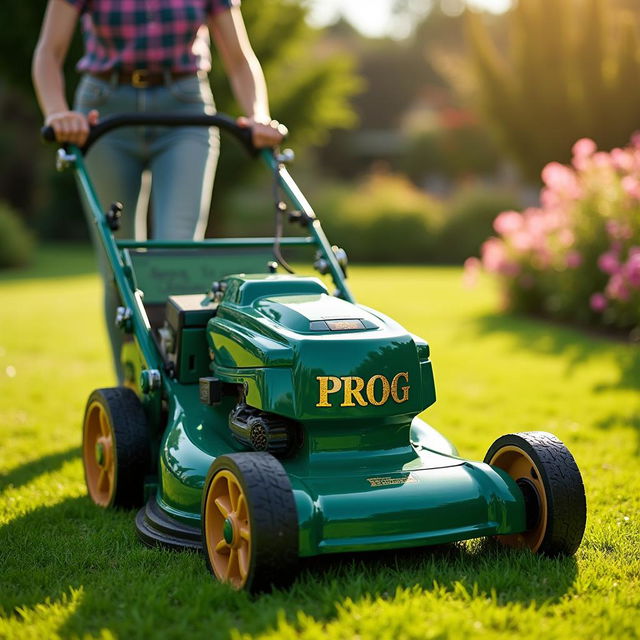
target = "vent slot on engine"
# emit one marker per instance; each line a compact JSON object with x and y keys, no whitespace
{"x":262,"y":431}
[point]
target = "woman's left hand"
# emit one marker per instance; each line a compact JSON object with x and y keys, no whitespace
{"x":266,"y":133}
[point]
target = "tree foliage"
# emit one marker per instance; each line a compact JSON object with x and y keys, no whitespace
{"x":570,"y":71}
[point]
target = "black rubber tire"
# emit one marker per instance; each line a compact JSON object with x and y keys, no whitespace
{"x":128,"y":424}
{"x":563,"y":486}
{"x":273,"y":518}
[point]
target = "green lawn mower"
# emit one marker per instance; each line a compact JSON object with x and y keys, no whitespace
{"x":264,"y":419}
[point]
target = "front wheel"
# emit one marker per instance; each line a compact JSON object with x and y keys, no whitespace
{"x":249,"y":522}
{"x":551,"y":485}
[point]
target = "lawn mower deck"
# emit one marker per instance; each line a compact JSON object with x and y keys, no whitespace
{"x":263,"y":419}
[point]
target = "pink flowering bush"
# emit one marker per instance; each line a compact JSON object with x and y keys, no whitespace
{"x":576,"y":256}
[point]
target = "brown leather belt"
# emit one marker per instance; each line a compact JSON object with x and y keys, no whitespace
{"x":142,"y":78}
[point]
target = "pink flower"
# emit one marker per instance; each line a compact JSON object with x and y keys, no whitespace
{"x":550,"y":199}
{"x":521,"y":241}
{"x":493,"y":254}
{"x":582,"y":152}
{"x":619,"y":230}
{"x":539,"y":221}
{"x":602,"y":160}
{"x":609,"y":263}
{"x":632,"y":267}
{"x":472,"y":267}
{"x":598,"y":302}
{"x":584,"y":148}
{"x":566,"y":237}
{"x":635,"y":139}
{"x":622,"y":160}
{"x":508,"y":222}
{"x":561,"y":179}
{"x":574,"y":259}
{"x":495,"y":259}
{"x":618,"y":288}
{"x":631,"y":186}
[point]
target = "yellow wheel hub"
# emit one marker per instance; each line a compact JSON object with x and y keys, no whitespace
{"x":227,"y":529}
{"x":97,"y":455}
{"x":521,"y":468}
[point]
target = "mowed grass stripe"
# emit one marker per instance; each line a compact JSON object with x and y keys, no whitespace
{"x":68,"y":569}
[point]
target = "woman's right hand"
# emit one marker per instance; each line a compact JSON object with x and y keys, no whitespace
{"x":72,"y":126}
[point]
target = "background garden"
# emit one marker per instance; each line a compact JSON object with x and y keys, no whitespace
{"x":504,"y":142}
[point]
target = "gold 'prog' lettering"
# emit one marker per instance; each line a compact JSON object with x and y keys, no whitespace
{"x":371,"y":396}
{"x":394,"y":388}
{"x":325,"y":391}
{"x":352,"y":388}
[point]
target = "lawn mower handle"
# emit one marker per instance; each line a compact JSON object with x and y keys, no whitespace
{"x":243,"y":134}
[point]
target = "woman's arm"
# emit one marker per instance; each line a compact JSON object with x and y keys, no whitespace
{"x":57,"y":30}
{"x":246,"y":76}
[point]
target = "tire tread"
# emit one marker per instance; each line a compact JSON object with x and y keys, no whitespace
{"x":567,"y":507}
{"x":273,"y":515}
{"x":132,"y":446}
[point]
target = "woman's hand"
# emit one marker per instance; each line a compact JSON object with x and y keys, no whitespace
{"x":265,"y":133}
{"x":72,"y":126}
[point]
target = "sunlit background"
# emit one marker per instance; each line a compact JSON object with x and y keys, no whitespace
{"x":376,"y":18}
{"x":416,"y":125}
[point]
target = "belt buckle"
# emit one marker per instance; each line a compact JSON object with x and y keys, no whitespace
{"x":140,"y":78}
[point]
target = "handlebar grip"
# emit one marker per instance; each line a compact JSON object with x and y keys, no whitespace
{"x":244,"y":135}
{"x":48,"y":134}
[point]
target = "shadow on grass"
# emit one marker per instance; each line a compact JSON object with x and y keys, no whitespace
{"x":27,"y":472}
{"x":479,"y":566}
{"x":74,"y":551}
{"x":55,"y":261}
{"x":576,"y":345}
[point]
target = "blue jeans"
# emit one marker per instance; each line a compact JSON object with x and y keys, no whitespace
{"x":182,"y":162}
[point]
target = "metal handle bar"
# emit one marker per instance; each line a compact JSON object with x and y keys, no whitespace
{"x":243,"y":134}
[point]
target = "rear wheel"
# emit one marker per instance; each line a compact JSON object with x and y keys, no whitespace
{"x":249,"y":522}
{"x":115,"y":448}
{"x":552,"y":488}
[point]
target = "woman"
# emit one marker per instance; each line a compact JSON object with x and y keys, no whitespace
{"x":150,"y":56}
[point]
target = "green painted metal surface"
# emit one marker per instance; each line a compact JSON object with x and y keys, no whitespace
{"x":350,"y":496}
{"x":282,"y":348}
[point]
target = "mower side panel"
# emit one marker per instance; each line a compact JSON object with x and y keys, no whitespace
{"x":423,"y":507}
{"x":195,"y":436}
{"x":362,"y":499}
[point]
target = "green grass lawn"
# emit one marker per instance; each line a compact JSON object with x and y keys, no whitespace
{"x":69,"y":569}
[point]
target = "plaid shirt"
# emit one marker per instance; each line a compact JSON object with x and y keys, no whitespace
{"x":147,"y":34}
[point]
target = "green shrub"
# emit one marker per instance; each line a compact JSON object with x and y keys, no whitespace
{"x":384,"y":219}
{"x":16,"y":243}
{"x":454,"y":152}
{"x":469,"y":222}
